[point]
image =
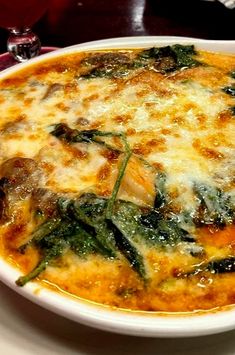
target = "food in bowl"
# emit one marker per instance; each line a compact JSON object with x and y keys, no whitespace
{"x":117,"y":176}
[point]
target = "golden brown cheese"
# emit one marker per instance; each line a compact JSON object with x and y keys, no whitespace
{"x":178,"y":122}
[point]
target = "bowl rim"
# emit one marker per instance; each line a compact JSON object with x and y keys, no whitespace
{"x":145,"y":324}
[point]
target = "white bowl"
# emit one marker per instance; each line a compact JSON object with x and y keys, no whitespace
{"x":144,"y":324}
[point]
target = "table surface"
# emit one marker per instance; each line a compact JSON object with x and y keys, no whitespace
{"x":27,"y":329}
{"x":75,"y":21}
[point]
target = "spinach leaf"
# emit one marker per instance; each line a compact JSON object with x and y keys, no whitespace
{"x":163,"y":231}
{"x":148,"y":225}
{"x":150,"y":218}
{"x":230,"y":90}
{"x":107,"y":65}
{"x":69,"y":135}
{"x":171,"y":58}
{"x":64,"y":132}
{"x":232,"y":74}
{"x":67,"y":234}
{"x":221,"y":266}
{"x":41,"y":266}
{"x":215,"y":206}
{"x":184,"y":55}
{"x":83,"y":243}
{"x":108,"y":58}
{"x":91,"y":210}
{"x":171,"y":233}
{"x":162,"y":59}
{"x":126,"y":216}
{"x":233,"y":110}
{"x":127,"y":248}
{"x":45,"y":229}
{"x":113,"y":71}
{"x":51,"y":248}
{"x":92,"y":217}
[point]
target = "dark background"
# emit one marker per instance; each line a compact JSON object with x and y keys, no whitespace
{"x":69,"y":22}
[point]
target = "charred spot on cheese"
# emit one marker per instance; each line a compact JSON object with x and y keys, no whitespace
{"x":206,"y":151}
{"x":117,"y":176}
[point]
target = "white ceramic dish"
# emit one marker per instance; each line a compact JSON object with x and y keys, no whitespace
{"x":126,"y":322}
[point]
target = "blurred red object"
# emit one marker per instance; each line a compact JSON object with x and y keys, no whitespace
{"x":21,"y":13}
{"x":56,"y":10}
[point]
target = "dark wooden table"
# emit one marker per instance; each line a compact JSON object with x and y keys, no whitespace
{"x":74,"y":21}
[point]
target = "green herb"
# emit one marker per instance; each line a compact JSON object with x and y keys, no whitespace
{"x":126,"y":217}
{"x":161,"y":198}
{"x":121,"y":173}
{"x":23,"y":280}
{"x":170,"y":233}
{"x":64,"y":132}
